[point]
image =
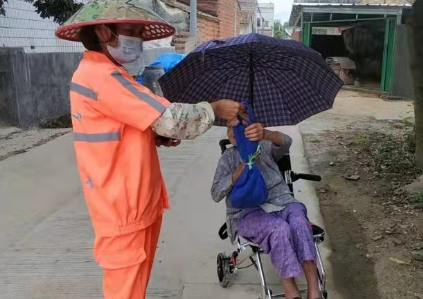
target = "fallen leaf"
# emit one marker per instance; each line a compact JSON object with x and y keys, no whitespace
{"x":397,"y":261}
{"x":352,"y":177}
{"x":398,"y":242}
{"x":376,"y":238}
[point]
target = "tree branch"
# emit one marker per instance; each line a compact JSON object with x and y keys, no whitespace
{"x":59,"y":10}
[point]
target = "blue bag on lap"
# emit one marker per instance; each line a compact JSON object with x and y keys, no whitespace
{"x":250,"y":189}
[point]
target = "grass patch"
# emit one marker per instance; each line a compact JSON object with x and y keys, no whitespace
{"x":419,"y":200}
{"x":62,"y":122}
{"x":362,"y":140}
{"x":408,"y":121}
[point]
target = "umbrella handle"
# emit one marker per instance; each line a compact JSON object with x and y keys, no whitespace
{"x":250,"y":112}
{"x":241,"y":119}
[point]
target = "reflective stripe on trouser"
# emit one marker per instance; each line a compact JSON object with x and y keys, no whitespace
{"x":131,"y":282}
{"x":97,"y":137}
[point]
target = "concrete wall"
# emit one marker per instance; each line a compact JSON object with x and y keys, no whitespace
{"x":23,"y":27}
{"x":402,"y":81}
{"x":35,"y":87}
{"x":6,"y":89}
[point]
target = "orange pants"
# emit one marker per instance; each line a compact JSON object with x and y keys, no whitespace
{"x":127,"y":262}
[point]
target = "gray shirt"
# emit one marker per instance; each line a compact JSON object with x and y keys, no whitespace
{"x":279,"y":193}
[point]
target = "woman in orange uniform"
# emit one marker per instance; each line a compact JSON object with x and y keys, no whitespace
{"x":116,"y":124}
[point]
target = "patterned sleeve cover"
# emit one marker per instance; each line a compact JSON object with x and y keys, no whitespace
{"x":185,"y":121}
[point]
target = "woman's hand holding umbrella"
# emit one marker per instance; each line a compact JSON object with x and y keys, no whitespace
{"x":227,"y":109}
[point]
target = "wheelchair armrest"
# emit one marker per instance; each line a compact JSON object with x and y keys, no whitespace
{"x":223,"y":145}
{"x":223,"y":231}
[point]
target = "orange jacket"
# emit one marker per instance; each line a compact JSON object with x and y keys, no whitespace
{"x":115,"y":147}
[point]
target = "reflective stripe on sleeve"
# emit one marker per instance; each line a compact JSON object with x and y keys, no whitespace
{"x":99,"y":137}
{"x":84,"y":91}
{"x":139,"y":94}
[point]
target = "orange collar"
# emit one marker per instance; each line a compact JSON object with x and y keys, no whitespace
{"x":97,"y":56}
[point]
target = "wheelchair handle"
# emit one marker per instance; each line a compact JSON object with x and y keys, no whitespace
{"x":223,"y":145}
{"x":305,"y":176}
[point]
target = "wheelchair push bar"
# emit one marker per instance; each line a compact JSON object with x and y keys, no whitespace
{"x":305,"y":176}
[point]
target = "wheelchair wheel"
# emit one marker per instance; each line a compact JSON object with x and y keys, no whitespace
{"x":223,"y":270}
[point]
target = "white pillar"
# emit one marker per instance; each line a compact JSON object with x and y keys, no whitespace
{"x":193,"y":18}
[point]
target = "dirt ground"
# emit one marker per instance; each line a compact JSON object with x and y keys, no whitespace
{"x":14,"y":141}
{"x":362,"y":150}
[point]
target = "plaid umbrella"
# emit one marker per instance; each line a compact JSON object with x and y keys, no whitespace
{"x":284,"y":81}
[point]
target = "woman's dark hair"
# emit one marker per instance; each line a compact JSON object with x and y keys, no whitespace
{"x":89,"y":38}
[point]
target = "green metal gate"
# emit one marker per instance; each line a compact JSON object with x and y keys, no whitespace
{"x":388,"y":52}
{"x":388,"y":56}
{"x":306,"y":34}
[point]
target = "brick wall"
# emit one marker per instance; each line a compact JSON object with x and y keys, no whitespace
{"x":224,"y":10}
{"x":206,"y":6}
{"x":208,"y":29}
{"x":226,"y":15}
{"x":179,"y":40}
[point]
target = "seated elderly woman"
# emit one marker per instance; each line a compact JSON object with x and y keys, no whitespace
{"x":280,"y":226}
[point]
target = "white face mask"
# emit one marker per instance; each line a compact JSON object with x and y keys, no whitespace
{"x":128,"y":50}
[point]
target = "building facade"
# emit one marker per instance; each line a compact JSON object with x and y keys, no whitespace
{"x":265,"y":18}
{"x":22,"y":27}
{"x":329,"y":1}
{"x":374,"y":37}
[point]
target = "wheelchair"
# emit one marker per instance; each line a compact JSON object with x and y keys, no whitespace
{"x":227,"y":265}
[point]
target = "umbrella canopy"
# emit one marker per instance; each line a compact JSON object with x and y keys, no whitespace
{"x":97,"y":12}
{"x":284,"y":81}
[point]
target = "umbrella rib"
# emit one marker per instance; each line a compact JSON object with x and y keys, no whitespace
{"x":278,"y":59}
{"x":289,"y":69}
{"x":236,"y":52}
{"x":220,"y":57}
{"x":228,"y":79}
{"x":274,"y":82}
{"x":227,"y":68}
{"x":224,"y":81}
{"x":239,"y":53}
{"x":264,"y":55}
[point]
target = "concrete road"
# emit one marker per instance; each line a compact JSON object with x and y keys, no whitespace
{"x":46,"y":235}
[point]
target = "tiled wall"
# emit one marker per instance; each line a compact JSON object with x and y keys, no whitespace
{"x":23,"y":27}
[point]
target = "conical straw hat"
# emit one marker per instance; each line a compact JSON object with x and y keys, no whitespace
{"x":98,"y":12}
